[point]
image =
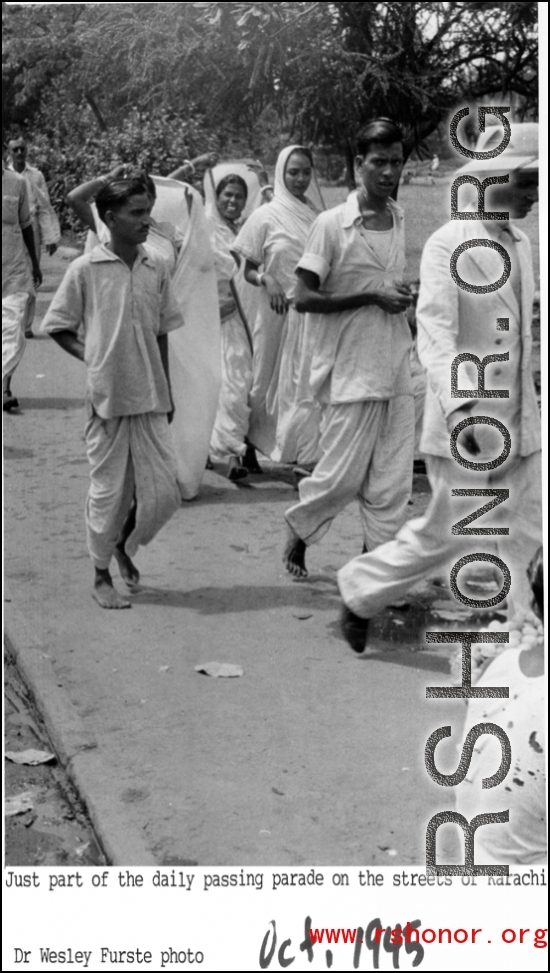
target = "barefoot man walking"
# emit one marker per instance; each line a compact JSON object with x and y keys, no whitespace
{"x":113,"y":311}
{"x":350,"y":281}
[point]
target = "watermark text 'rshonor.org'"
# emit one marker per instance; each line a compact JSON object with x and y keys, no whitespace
{"x":467,"y":639}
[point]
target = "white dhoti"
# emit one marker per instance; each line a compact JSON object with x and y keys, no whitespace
{"x":233,"y":415}
{"x":367,"y":453}
{"x":130,"y":457}
{"x":14,"y":322}
{"x":370,"y":583}
{"x":268,"y":332}
{"x":31,"y":303}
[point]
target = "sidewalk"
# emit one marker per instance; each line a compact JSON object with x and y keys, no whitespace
{"x":313,"y":756}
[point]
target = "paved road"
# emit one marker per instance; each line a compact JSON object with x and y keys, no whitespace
{"x":313,"y":756}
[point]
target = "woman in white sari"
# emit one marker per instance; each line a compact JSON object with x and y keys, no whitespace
{"x":231,"y":193}
{"x":273,"y":239}
{"x":179,"y":235}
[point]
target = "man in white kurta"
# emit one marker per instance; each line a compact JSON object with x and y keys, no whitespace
{"x":45,"y":223}
{"x":125,"y":313}
{"x":358,"y":356}
{"x":452,"y":321}
{"x":20,"y":270}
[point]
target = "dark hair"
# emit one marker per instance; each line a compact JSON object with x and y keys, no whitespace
{"x":116,"y":193}
{"x":228,"y":181}
{"x":301,"y":150}
{"x":535,"y":573}
{"x":383,"y":131}
{"x":145,"y":179}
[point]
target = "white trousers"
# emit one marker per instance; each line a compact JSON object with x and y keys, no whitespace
{"x":370,"y":583}
{"x":418,"y":376}
{"x":366,"y":454}
{"x":233,"y":415}
{"x":130,"y":457}
{"x":14,"y":322}
{"x":299,"y":420}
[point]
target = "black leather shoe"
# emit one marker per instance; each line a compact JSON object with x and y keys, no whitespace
{"x":354,"y":629}
{"x":9,"y":402}
{"x":250,"y":461}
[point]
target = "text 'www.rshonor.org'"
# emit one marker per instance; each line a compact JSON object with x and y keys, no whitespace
{"x":467,"y":639}
{"x":412,"y":934}
{"x":279,"y":949}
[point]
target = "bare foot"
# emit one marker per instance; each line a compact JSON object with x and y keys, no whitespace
{"x":235,"y":470}
{"x":294,"y":555}
{"x":107,"y":597}
{"x":128,"y":571}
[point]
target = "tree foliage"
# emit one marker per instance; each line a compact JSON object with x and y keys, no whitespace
{"x":321,"y":69}
{"x":331,"y":66}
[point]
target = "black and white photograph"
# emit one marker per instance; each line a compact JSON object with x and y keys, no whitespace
{"x":273,"y":481}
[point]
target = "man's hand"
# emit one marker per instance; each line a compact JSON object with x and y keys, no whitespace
{"x":70,"y":342}
{"x":51,"y":248}
{"x":467,"y":440}
{"x":36,"y":276}
{"x":395,"y":298}
{"x":258,"y":169}
{"x":276,"y":294}
{"x":206,"y":161}
{"x":121,"y":171}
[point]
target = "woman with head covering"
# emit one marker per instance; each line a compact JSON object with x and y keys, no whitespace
{"x":271,"y":243}
{"x":227,"y":194}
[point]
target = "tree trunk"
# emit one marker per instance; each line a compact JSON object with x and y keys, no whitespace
{"x":95,"y":108}
{"x":350,"y":167}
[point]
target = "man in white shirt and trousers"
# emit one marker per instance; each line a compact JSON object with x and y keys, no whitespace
{"x":45,"y":223}
{"x":356,"y":357}
{"x":454,"y":321}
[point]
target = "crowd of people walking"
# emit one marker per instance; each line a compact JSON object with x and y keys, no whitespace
{"x":247,"y":321}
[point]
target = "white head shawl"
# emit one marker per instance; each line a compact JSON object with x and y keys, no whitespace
{"x":213,"y":177}
{"x":299,"y":215}
{"x":222,"y":235}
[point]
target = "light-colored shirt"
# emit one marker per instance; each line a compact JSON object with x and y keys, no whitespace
{"x":42,"y":211}
{"x":16,"y":216}
{"x":523,"y":793}
{"x":453,"y":321}
{"x":361,"y":353}
{"x":122,"y":312}
{"x":507,"y":375}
